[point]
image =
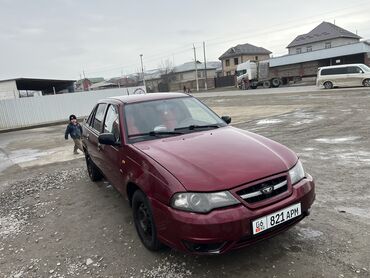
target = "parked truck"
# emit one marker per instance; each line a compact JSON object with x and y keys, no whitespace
{"x":253,"y":74}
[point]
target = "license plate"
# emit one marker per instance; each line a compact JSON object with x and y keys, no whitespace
{"x":267,"y":222}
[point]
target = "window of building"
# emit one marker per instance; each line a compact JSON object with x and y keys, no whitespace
{"x":236,"y":61}
{"x":227,"y":62}
{"x":228,"y":73}
{"x":328,"y":45}
{"x":309,"y":48}
{"x":199,"y":74}
{"x":256,"y":58}
{"x":299,"y":50}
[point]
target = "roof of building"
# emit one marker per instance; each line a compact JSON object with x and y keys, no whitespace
{"x":338,"y":51}
{"x":93,"y":80}
{"x":146,"y":97}
{"x":324,"y":31}
{"x":190,"y":66}
{"x":244,"y":49}
{"x":38,"y":84}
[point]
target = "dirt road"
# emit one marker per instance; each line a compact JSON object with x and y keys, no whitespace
{"x":54,"y":222}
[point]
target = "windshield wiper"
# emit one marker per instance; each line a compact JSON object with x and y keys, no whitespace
{"x":156,"y":133}
{"x":193,"y":127}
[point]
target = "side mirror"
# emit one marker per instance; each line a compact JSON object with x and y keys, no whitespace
{"x":227,"y":119}
{"x":108,"y":139}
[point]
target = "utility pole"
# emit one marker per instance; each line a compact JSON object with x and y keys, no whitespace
{"x":196,"y":68}
{"x":142,"y":70}
{"x":205,"y":67}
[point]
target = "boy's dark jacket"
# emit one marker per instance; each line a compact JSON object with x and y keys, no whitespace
{"x":75,"y":131}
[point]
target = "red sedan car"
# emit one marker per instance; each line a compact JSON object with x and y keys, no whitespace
{"x":194,"y":182}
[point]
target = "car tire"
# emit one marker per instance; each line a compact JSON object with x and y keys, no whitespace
{"x":366,"y":83}
{"x":93,"y":171}
{"x":275,"y":82}
{"x":266,"y":84}
{"x":144,"y":221}
{"x":328,"y":85}
{"x":254,"y":85}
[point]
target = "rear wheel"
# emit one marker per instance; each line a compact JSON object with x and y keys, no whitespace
{"x":328,"y":85}
{"x":94,"y":172}
{"x":366,"y":83}
{"x":144,"y":221}
{"x":266,"y":84}
{"x":275,"y":82}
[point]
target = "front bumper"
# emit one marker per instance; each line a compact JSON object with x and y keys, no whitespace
{"x":225,"y":229}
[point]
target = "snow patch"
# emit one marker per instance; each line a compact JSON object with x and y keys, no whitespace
{"x":337,"y":140}
{"x":269,"y":121}
{"x":25,"y":155}
{"x":309,"y":233}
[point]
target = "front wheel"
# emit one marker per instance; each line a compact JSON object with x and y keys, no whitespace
{"x":144,"y":221}
{"x":366,"y":83}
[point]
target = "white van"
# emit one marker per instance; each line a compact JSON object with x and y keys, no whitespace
{"x":343,"y":76}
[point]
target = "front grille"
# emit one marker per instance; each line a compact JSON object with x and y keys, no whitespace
{"x":259,"y":192}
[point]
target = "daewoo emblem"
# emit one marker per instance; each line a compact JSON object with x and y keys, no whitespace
{"x":267,"y":190}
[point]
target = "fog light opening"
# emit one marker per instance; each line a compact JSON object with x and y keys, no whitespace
{"x":211,"y":248}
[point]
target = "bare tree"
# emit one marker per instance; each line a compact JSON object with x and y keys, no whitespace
{"x":167,"y":71}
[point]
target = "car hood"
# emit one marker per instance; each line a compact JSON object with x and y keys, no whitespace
{"x":219,"y":159}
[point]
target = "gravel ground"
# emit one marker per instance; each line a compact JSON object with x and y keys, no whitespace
{"x":54,"y":222}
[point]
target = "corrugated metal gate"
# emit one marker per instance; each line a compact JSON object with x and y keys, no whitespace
{"x":24,"y":112}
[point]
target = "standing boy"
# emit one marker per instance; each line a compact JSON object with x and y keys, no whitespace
{"x":74,"y":129}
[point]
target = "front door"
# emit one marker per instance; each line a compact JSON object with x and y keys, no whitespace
{"x":112,"y":154}
{"x":354,"y":76}
{"x":94,"y":148}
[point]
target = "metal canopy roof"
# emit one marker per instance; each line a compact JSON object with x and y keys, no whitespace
{"x":35,"y":84}
{"x":349,"y":49}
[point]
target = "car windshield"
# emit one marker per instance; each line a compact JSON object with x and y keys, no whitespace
{"x":365,"y":68}
{"x":168,"y":117}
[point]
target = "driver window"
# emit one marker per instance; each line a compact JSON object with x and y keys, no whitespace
{"x":111,"y":124}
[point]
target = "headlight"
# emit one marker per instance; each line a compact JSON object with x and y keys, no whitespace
{"x":202,"y":202}
{"x":296,"y":173}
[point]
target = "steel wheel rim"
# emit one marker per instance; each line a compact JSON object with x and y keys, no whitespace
{"x":144,"y":221}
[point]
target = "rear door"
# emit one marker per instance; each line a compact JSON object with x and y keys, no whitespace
{"x":112,"y":154}
{"x":92,"y":137}
{"x":340,"y":76}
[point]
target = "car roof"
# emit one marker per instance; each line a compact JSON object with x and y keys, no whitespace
{"x":341,"y":66}
{"x":147,"y":97}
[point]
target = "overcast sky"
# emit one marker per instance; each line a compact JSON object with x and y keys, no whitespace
{"x":61,"y":38}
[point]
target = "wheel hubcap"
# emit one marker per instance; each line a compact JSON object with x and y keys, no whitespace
{"x":144,"y":220}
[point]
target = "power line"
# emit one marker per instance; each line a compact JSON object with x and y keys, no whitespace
{"x":252,"y":32}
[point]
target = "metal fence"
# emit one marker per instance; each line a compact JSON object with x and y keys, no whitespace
{"x":32,"y":111}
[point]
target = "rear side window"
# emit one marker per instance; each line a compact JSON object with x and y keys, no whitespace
{"x":99,"y":117}
{"x":354,"y":70}
{"x":90,"y":119}
{"x":334,"y":71}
